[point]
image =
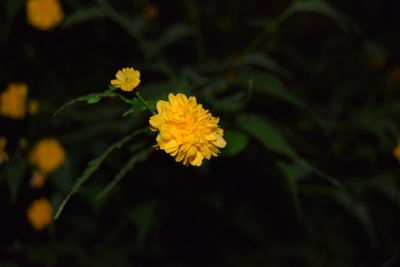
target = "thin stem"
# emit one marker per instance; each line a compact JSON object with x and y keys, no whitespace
{"x":145,"y":103}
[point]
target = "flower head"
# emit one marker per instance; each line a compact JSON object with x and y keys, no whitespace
{"x":44,"y":14}
{"x":47,"y":155}
{"x":33,"y":107}
{"x":187,"y":131}
{"x":3,"y":154}
{"x":13,"y":101}
{"x":37,"y":180}
{"x":40,"y":213}
{"x":396,"y":151}
{"x":127,"y":79}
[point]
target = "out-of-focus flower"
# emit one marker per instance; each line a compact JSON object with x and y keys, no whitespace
{"x":126,"y":79}
{"x":3,"y":154}
{"x":187,"y":131}
{"x":378,"y":61}
{"x":151,"y":11}
{"x":396,"y":151}
{"x":394,"y":74}
{"x":37,"y":180}
{"x":44,"y":14}
{"x":40,"y":213}
{"x":13,"y":101}
{"x":47,"y":155}
{"x":23,"y":142}
{"x":33,"y":107}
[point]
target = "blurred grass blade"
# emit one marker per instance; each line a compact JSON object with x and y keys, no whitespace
{"x":174,"y":33}
{"x":289,"y":175}
{"x":324,"y":8}
{"x":267,"y":83}
{"x":266,"y":134}
{"x":138,"y":157}
{"x":83,"y":15}
{"x":93,"y":166}
{"x":15,"y":173}
{"x":144,"y":218}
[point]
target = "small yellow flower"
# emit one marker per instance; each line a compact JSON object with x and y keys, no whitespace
{"x":396,"y":151}
{"x":37,"y":180}
{"x":3,"y":154}
{"x":13,"y":101}
{"x":151,"y":11}
{"x":40,"y":213}
{"x":44,"y":14}
{"x":127,"y":79}
{"x":187,"y":131}
{"x":33,"y":107}
{"x":47,"y":155}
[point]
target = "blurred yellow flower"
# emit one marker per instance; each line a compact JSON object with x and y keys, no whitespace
{"x":3,"y":154}
{"x":13,"y":100}
{"x":44,"y":14}
{"x":187,"y":131}
{"x":396,"y":151}
{"x":47,"y":155}
{"x":127,"y":79}
{"x":40,"y":213}
{"x":151,"y":11}
{"x":37,"y":180}
{"x":33,"y":107}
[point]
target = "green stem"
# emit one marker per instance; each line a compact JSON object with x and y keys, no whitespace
{"x":145,"y":103}
{"x":269,"y":28}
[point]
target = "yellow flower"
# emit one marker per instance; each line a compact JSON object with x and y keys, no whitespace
{"x":13,"y":101}
{"x":3,"y":154}
{"x":33,"y":107}
{"x":187,"y":131}
{"x":44,"y":14}
{"x":396,"y":151}
{"x":40,"y":213}
{"x":47,"y":155}
{"x":127,"y":79}
{"x":37,"y":180}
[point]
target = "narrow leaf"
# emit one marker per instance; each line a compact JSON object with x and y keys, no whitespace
{"x":138,"y":157}
{"x":237,"y":141}
{"x":92,"y":167}
{"x":83,"y":15}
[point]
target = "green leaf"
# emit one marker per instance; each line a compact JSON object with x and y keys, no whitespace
{"x":137,"y":105}
{"x":12,"y":7}
{"x":143,"y":216}
{"x":324,"y":8}
{"x":262,"y":60}
{"x":237,"y":142}
{"x":15,"y":174}
{"x":267,"y":83}
{"x":93,"y":166}
{"x":83,"y":15}
{"x":174,"y":33}
{"x":89,"y":99}
{"x":138,"y":157}
{"x":266,"y":134}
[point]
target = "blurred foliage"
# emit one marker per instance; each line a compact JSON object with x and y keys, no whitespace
{"x":307,"y":92}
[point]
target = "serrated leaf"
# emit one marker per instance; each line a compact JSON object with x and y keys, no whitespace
{"x":89,"y":99}
{"x":92,"y":167}
{"x":267,"y":83}
{"x":237,"y":142}
{"x":266,"y":134}
{"x":83,"y":15}
{"x":143,"y":216}
{"x":138,"y":157}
